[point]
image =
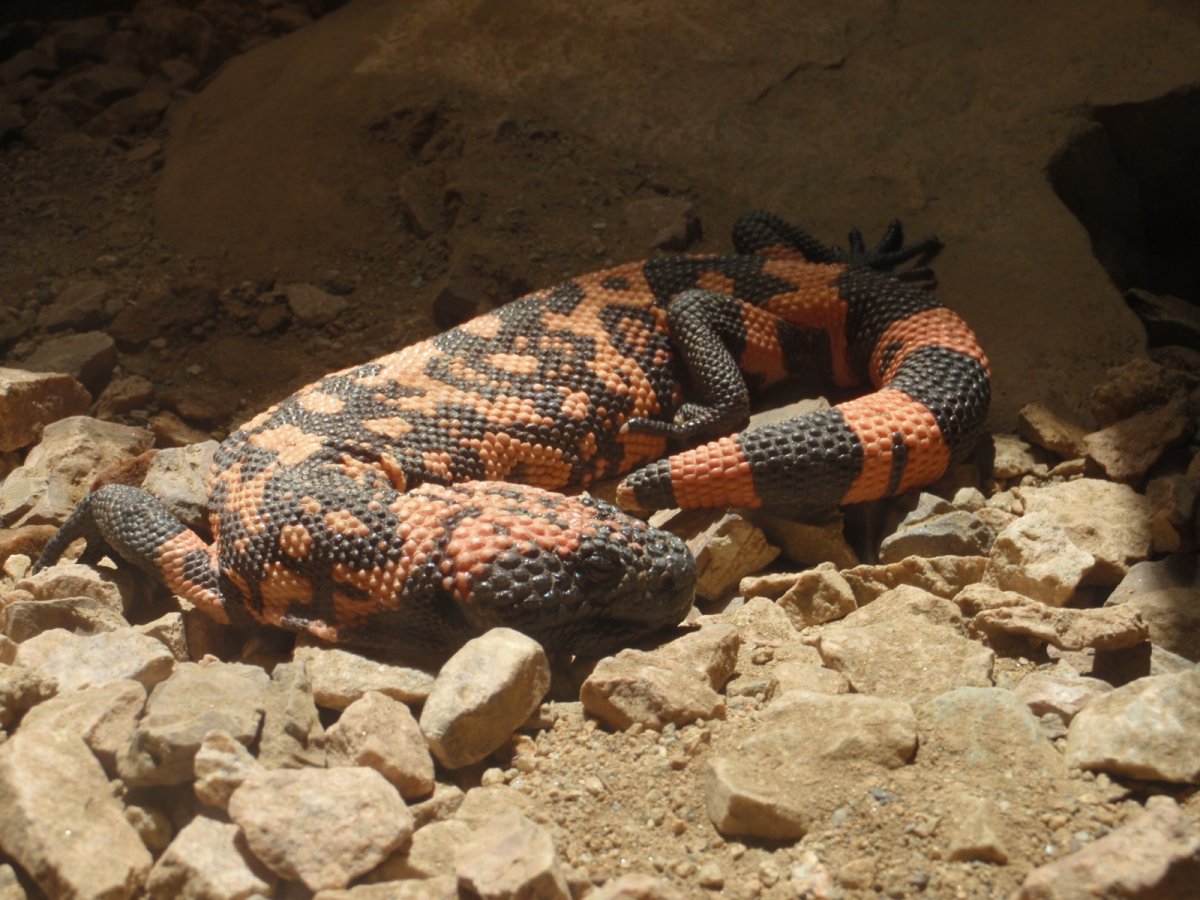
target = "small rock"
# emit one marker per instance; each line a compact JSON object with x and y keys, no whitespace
{"x":1127,"y":390}
{"x":137,"y":114}
{"x":82,"y":661}
{"x":31,"y":400}
{"x":171,"y":431}
{"x":76,"y":580}
{"x":221,"y":764}
{"x":1036,"y":556}
{"x":1167,"y":594}
{"x":943,"y":576}
{"x":123,"y":395}
{"x":802,"y":670}
{"x":1042,"y":426}
{"x":170,"y":630}
{"x":432,"y":852}
{"x":292,"y":736}
{"x":324,"y":827}
{"x":52,"y":788}
{"x":89,"y":358}
{"x":977,"y":732}
{"x":761,"y":621}
{"x":208,"y":859}
{"x":637,"y":886}
{"x":1173,"y":499}
{"x":484,"y":693}
{"x":662,"y":223}
{"x":482,"y":804}
{"x":80,"y":306}
{"x":711,"y":651}
{"x":22,"y":689}
{"x":1058,"y":694}
{"x":1127,"y":449}
{"x":27,"y":540}
{"x":805,"y":544}
{"x":178,"y":477}
{"x":636,"y":686}
{"x":340,"y":677}
{"x":58,"y":472}
{"x":22,"y":619}
{"x":442,"y":804}
{"x":511,"y":856}
{"x":726,"y":550}
{"x":1146,"y":729}
{"x":312,"y":306}
{"x":381,"y":733}
{"x":1107,"y":628}
{"x":103,"y":717}
{"x":159,"y":311}
{"x":956,"y":533}
{"x":818,"y":596}
{"x":1153,"y":855}
{"x":1013,"y":459}
{"x":975,"y":833}
{"x":195,"y":700}
{"x":975,"y":598}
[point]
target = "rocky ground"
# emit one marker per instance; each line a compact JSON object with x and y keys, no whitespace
{"x":986,"y":690}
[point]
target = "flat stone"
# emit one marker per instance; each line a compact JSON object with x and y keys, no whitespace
{"x":1013,"y":459}
{"x":1106,"y":628}
{"x":1040,"y":425}
{"x":89,"y":358}
{"x":178,"y":476}
{"x":944,"y":576}
{"x":482,"y":804}
{"x":725,"y":551}
{"x":1036,"y":556}
{"x":975,"y":831}
{"x":381,"y":733}
{"x":208,"y":860}
{"x":1145,"y":729}
{"x":22,"y":620}
{"x":937,"y":655}
{"x":52,"y":788}
{"x":31,"y":400}
{"x":82,"y":661}
{"x":511,"y":856}
{"x":76,"y":580}
{"x":324,"y":827}
{"x":1167,"y":595}
{"x":102,"y":717}
{"x":292,"y":736}
{"x":221,"y":764}
{"x":340,"y":677}
{"x":122,"y":395}
{"x":22,"y":689}
{"x":1154,"y":855}
{"x":482,"y":694}
{"x":1059,"y":694}
{"x":1127,"y":449}
{"x":982,"y":731}
{"x":955,"y":533}
{"x":802,"y":670}
{"x":79,"y":306}
{"x":817,"y":596}
{"x":710,"y":651}
{"x":196,"y":699}
{"x":807,"y":544}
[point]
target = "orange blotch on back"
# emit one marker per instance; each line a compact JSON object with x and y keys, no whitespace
{"x":291,"y":445}
{"x":875,"y":418}
{"x":280,"y":588}
{"x":316,"y":401}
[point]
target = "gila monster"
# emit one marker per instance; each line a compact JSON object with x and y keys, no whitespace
{"x":408,"y":500}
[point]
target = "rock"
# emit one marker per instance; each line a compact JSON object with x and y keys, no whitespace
{"x":726,"y":550}
{"x":10,"y":887}
{"x":340,"y":677}
{"x":446,"y":798}
{"x":76,"y":580}
{"x":1127,"y":449}
{"x":977,"y":732}
{"x":1062,"y":695}
{"x":22,"y":689}
{"x":51,"y":787}
{"x":324,"y":827}
{"x":59,"y":470}
{"x":431,"y":853}
{"x":1040,"y":425}
{"x":484,"y":693}
{"x":1036,"y":556}
{"x":196,"y":699}
{"x":170,"y":630}
{"x":1013,"y":459}
{"x":778,"y":789}
{"x":1129,"y":389}
{"x":102,"y":717}
{"x":25,"y":63}
{"x":977,"y":597}
{"x":81,"y":39}
{"x":817,"y":596}
{"x":805,"y":544}
{"x":975,"y":831}
{"x":1173,"y":499}
{"x":381,"y":733}
{"x":31,"y":400}
{"x":178,"y":477}
{"x":27,"y":540}
{"x":137,"y":114}
{"x":89,"y":358}
{"x":82,"y":661}
{"x":943,"y":576}
{"x":171,"y":431}
{"x":956,"y":533}
{"x":313,"y":307}
{"x":760,"y":621}
{"x":21,"y":620}
{"x":123,"y":395}
{"x":482,"y":804}
{"x":1109,"y":521}
{"x":441,"y":887}
{"x":511,"y":856}
{"x":1153,"y":855}
{"x":292,"y":736}
{"x":636,"y":887}
{"x":158,"y":311}
{"x":800,"y":669}
{"x":636,"y":686}
{"x":1145,"y":729}
{"x":1107,"y":628}
{"x":662,"y":223}
{"x":221,"y":765}
{"x":1167,"y":595}
{"x":711,"y":651}
{"x":928,"y":627}
{"x":80,"y":306}
{"x":208,"y":859}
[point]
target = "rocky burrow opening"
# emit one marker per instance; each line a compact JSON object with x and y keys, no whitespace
{"x":1132,"y":178}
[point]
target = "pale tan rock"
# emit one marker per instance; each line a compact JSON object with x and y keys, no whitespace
{"x":1014,"y":459}
{"x":171,"y":431}
{"x":432,"y":852}
{"x":1110,"y":521}
{"x":1127,"y":449}
{"x":312,"y":306}
{"x":24,"y":619}
{"x":292,"y":736}
{"x":761,"y":621}
{"x":324,"y":827}
{"x":103,"y":717}
{"x":481,"y":804}
{"x":1042,"y":426}
{"x":22,"y":688}
{"x":1167,"y":595}
{"x":944,"y":576}
{"x":955,"y":533}
{"x":1106,"y":628}
{"x":484,"y":693}
{"x":1145,"y":729}
{"x":1059,"y":694}
{"x":51,"y":786}
{"x":1150,"y":856}
{"x":82,"y":661}
{"x":975,"y":598}
{"x":1128,"y":389}
{"x":340,"y":677}
{"x":977,"y":732}
{"x":511,"y":856}
{"x":208,"y":860}
{"x":819,"y":595}
{"x":1035,"y":556}
{"x":178,"y":476}
{"x":975,"y":834}
{"x":195,"y":700}
{"x":806,"y":544}
{"x":710,"y":651}
{"x":152,"y":825}
{"x":803,"y":670}
{"x":441,"y":804}
{"x":636,"y":686}
{"x":725,"y":551}
{"x":76,"y":580}
{"x":31,"y":400}
{"x":1173,"y":498}
{"x":441,"y":887}
{"x":381,"y":733}
{"x":221,"y":764}
{"x":169,"y":630}
{"x":636,"y":887}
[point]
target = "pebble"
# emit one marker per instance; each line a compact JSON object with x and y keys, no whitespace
{"x":482,"y":694}
{"x":77,"y":661}
{"x":381,"y":733}
{"x":103,"y":717}
{"x":88,"y":357}
{"x":1035,"y":556}
{"x":944,"y":576}
{"x":79,"y":306}
{"x":339,"y":677}
{"x":207,"y":861}
{"x":806,"y":544}
{"x":313,"y":307}
{"x":1059,"y":694}
{"x":975,"y":831}
{"x":31,"y":400}
{"x":1127,"y":449}
{"x":292,"y":735}
{"x":432,"y":852}
{"x":178,"y":477}
{"x":222,"y":763}
{"x":22,"y":688}
{"x":725,"y":551}
{"x":955,"y":533}
{"x":1106,"y":628}
{"x":1131,"y":388}
{"x":1166,"y":593}
{"x":983,"y":731}
{"x":1014,"y":459}
{"x":511,"y":856}
{"x":1044,"y":427}
{"x":817,"y":596}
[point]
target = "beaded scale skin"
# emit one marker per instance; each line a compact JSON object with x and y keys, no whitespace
{"x":408,"y":500}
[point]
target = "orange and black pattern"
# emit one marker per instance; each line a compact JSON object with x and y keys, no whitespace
{"x":408,"y":500}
